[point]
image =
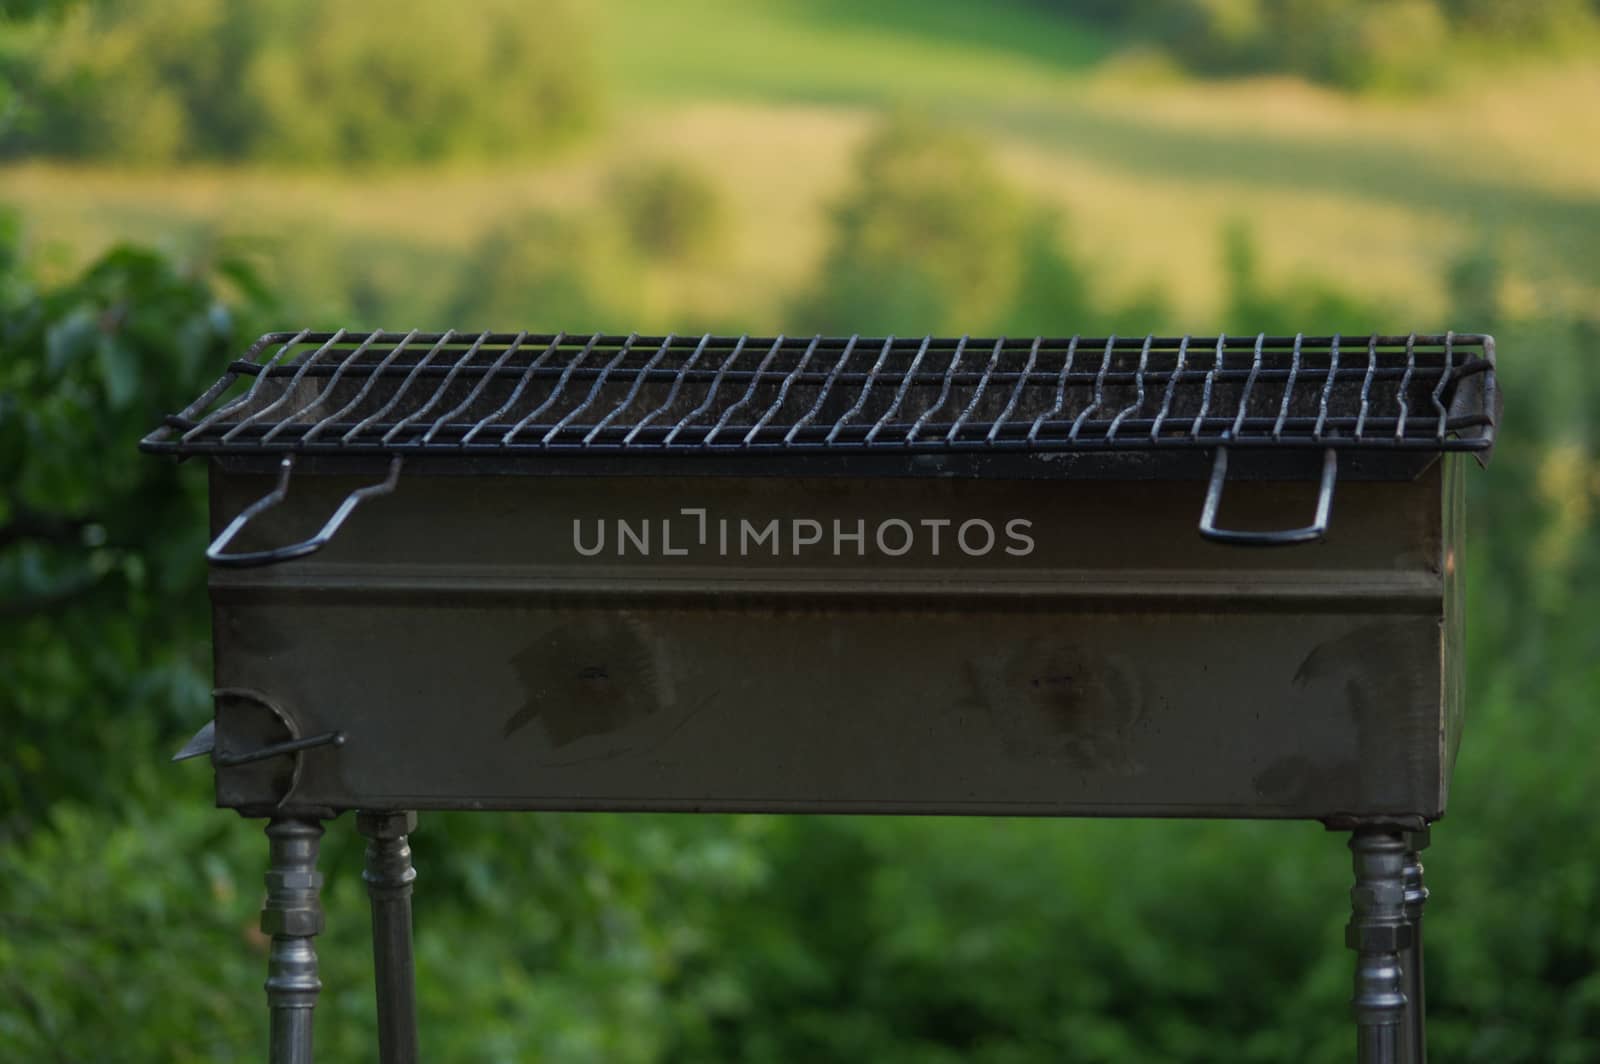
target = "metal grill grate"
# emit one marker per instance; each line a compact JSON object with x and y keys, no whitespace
{"x":498,"y":393}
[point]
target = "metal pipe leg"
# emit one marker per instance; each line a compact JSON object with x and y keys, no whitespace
{"x":292,"y":915}
{"x":389,"y":875}
{"x":1411,"y":958}
{"x":1379,"y":934}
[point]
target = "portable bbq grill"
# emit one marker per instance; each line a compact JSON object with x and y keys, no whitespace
{"x":870,"y":575}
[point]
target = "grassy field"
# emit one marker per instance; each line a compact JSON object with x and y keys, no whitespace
{"x":767,"y":101}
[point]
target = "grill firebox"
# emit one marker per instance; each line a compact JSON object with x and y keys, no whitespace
{"x":847,"y":574}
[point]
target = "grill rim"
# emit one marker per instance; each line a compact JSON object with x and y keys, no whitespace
{"x":529,"y":440}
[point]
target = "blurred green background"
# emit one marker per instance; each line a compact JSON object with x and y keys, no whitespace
{"x":182,"y":175}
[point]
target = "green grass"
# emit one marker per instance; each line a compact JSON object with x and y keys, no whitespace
{"x":834,"y":51}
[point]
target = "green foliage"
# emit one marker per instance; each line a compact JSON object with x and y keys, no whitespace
{"x":128,"y":933}
{"x":1528,"y":989}
{"x":1356,"y":44}
{"x":546,"y":267}
{"x":931,"y":238}
{"x":1296,"y":305}
{"x":1003,"y":941}
{"x":1371,"y":44}
{"x":395,"y":80}
{"x":99,"y":573}
{"x":590,"y":269}
{"x":670,"y":212}
{"x":365,"y":81}
{"x":1524,"y":20}
{"x":928,"y":235}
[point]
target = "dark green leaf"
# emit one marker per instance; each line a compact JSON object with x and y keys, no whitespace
{"x":70,"y":339}
{"x":119,"y":368}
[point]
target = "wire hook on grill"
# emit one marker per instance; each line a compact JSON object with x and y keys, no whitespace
{"x":1317,"y":529}
{"x":250,"y":559}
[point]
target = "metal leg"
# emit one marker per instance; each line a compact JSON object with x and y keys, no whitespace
{"x":292,"y":915}
{"x":389,"y":875}
{"x":1379,"y":934}
{"x":1411,"y":958}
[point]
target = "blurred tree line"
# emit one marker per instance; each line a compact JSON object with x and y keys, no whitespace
{"x":1356,"y":44}
{"x":359,"y":81}
{"x":395,"y":81}
{"x":127,"y":904}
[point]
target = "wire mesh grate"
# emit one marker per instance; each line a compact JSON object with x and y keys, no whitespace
{"x":463,"y":393}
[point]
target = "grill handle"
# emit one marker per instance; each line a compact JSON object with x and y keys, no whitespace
{"x":1317,"y":529}
{"x":216,"y":553}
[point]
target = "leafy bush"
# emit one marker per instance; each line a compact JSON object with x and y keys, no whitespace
{"x":546,"y":270}
{"x":358,"y":81}
{"x":1397,"y":46}
{"x":1363,"y":45}
{"x":1356,"y":44}
{"x":931,"y":238}
{"x":669,"y":211}
{"x":1293,"y":305}
{"x":1524,"y":20}
{"x":1214,"y":36}
{"x":600,"y":268}
{"x":99,"y":547}
{"x":926,"y":239}
{"x":395,"y":80}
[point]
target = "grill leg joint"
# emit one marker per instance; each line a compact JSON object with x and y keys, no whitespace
{"x":1380,"y":935}
{"x":292,"y":916}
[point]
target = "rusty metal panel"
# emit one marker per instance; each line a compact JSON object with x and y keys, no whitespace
{"x":476,"y":649}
